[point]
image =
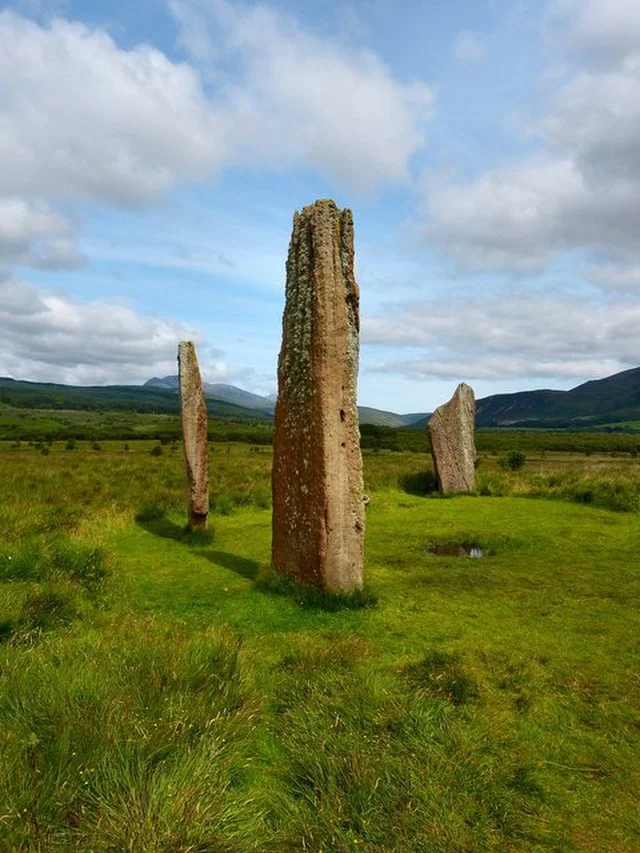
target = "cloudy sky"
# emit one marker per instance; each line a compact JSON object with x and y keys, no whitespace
{"x":152,"y":155}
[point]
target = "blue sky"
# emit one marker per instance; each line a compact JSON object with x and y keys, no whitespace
{"x":154,"y":152}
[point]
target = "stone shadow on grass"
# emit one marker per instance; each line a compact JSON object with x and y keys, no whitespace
{"x":167,"y":529}
{"x":422,"y":483}
{"x":162,"y":527}
{"x":240,"y":565}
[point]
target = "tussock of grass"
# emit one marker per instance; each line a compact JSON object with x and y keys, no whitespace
{"x":60,"y":558}
{"x":47,"y":608}
{"x":362,"y":765}
{"x":151,"y":734}
{"x":58,"y":519}
{"x":150,"y":511}
{"x":441,"y":673}
{"x":55,"y":582}
{"x":620,"y":493}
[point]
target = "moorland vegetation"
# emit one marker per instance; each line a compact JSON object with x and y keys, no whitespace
{"x":159,"y":693}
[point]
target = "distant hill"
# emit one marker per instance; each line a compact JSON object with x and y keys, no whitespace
{"x":220,"y":391}
{"x":600,"y":402}
{"x":378,"y":417}
{"x":612,"y":402}
{"x":238,"y":396}
{"x":159,"y":395}
{"x":134,"y":398}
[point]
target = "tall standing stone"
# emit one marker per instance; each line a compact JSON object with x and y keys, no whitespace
{"x":451,"y":435}
{"x":194,"y":433}
{"x":318,"y":508}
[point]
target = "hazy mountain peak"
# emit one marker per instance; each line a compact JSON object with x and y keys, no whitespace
{"x":162,"y":382}
{"x":220,"y":390}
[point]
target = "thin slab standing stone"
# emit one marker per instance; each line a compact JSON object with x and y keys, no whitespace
{"x":317,"y":485}
{"x":194,"y":434}
{"x":452,"y":438}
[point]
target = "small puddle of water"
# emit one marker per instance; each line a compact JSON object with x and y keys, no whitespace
{"x":446,"y":549}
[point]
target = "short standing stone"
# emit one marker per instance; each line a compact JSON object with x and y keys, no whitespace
{"x":194,"y":431}
{"x":318,"y":510}
{"x":451,"y":434}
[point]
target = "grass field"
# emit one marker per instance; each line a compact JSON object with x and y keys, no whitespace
{"x":155,"y":697}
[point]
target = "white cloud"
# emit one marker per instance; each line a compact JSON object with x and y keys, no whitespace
{"x":83,"y":119}
{"x":605,"y":31}
{"x":51,"y":337}
{"x":513,"y":217}
{"x":80,"y":117}
{"x":582,"y":190}
{"x":493,"y":369}
{"x":469,"y":46}
{"x":508,"y":335}
{"x":299,"y":100}
{"x":595,"y":118}
{"x":34,"y":235}
{"x":615,"y":275}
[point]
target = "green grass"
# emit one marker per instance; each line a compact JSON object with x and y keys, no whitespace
{"x":155,"y":696}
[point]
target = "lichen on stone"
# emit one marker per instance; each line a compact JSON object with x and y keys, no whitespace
{"x":317,"y":472}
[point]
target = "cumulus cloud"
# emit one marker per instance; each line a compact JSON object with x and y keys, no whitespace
{"x":80,"y":117}
{"x":469,"y":46}
{"x":34,"y":235}
{"x":582,"y":190}
{"x":512,"y":218}
{"x":51,"y":337}
{"x":508,"y":336}
{"x":84,"y":119}
{"x":605,"y":32}
{"x":297,"y":99}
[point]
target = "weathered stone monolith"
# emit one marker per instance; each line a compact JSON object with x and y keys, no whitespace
{"x":194,"y":434}
{"x":318,"y":507}
{"x":451,"y":435}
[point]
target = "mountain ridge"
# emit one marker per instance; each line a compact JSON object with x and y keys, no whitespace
{"x":611,"y":402}
{"x":219,"y":390}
